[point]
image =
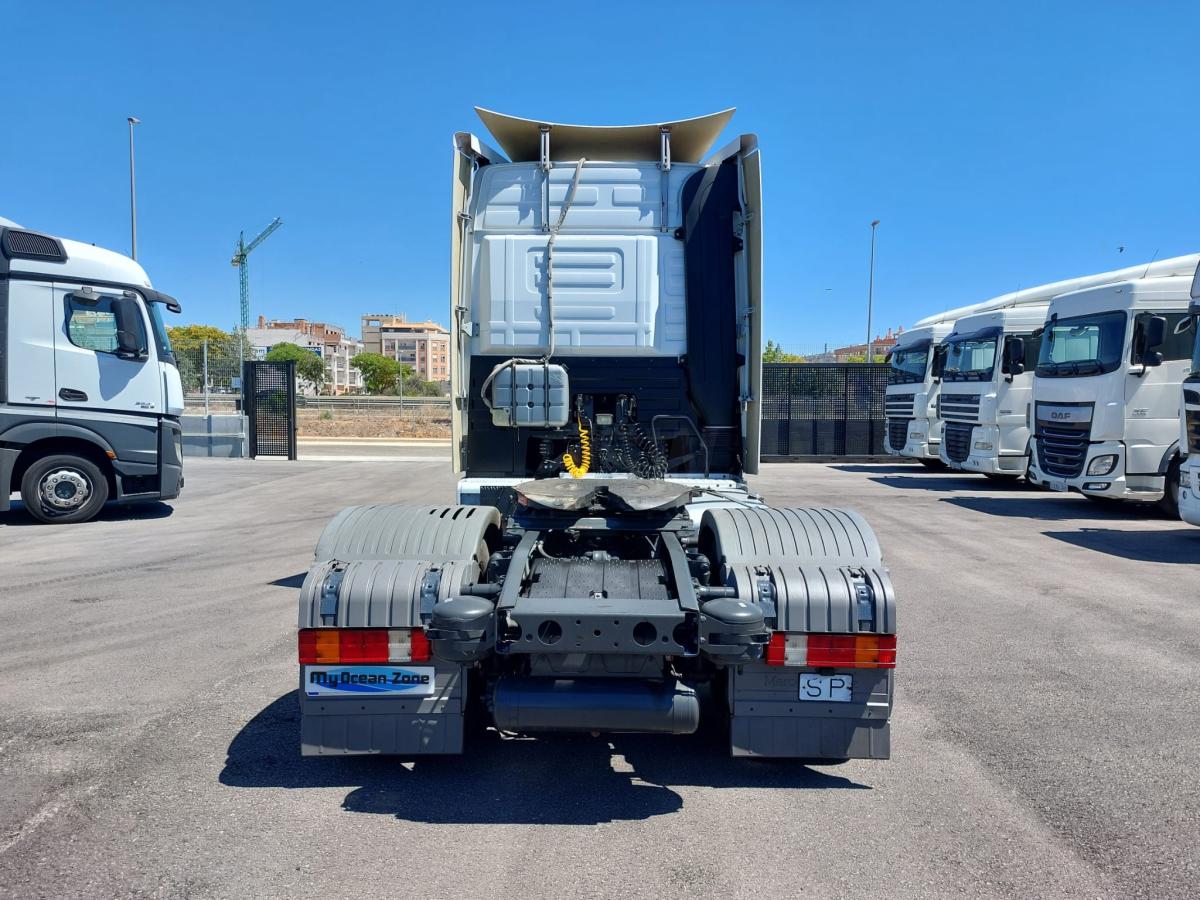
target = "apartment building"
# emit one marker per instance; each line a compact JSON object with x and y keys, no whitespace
{"x":423,"y":345}
{"x":330,"y":342}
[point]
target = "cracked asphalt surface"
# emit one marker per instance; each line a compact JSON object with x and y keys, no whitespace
{"x":1046,"y":738}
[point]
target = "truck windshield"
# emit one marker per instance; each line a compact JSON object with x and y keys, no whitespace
{"x":970,"y":360}
{"x":161,"y":339}
{"x":1082,"y":345}
{"x":909,"y":364}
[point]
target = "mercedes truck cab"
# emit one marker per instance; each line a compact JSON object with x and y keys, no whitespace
{"x":987,"y":391}
{"x":1189,"y":440}
{"x":911,"y":401}
{"x":90,"y":396}
{"x":1106,"y":391}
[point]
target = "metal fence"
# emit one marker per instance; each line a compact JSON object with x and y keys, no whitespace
{"x":823,"y":411}
{"x":211,"y":375}
{"x":271,"y":407}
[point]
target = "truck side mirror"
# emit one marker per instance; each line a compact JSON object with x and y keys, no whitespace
{"x":1014,"y":356}
{"x":1156,"y":331}
{"x":129,"y":330}
{"x":939,"y":362}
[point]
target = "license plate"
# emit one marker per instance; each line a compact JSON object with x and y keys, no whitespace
{"x":365,"y":681}
{"x":1056,"y":484}
{"x":829,"y":688}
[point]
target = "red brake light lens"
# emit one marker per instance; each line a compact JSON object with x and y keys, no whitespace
{"x":326,"y":646}
{"x":834,"y":651}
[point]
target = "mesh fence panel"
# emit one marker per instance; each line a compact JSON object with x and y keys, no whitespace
{"x":823,"y":409}
{"x":271,"y":408}
{"x":221,"y":362}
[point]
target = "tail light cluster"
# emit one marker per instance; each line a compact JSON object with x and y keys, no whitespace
{"x":836,"y":651}
{"x":322,"y":646}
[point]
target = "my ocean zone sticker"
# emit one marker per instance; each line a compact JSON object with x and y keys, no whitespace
{"x":363,"y":681}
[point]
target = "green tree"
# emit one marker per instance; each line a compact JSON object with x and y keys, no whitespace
{"x":381,"y":374}
{"x":774,"y":353}
{"x":224,"y":358}
{"x":416,"y":386}
{"x":309,"y":366}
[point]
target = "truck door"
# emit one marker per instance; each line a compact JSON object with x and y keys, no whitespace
{"x":92,"y":373}
{"x":30,"y":352}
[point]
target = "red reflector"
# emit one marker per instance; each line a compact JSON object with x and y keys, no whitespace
{"x":420,"y":645}
{"x":832,"y":651}
{"x":775,"y":649}
{"x":363,"y":645}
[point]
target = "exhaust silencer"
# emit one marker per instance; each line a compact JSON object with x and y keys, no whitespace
{"x":595,"y":704}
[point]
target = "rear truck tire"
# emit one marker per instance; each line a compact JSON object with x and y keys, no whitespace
{"x":64,"y":489}
{"x":1169,"y":504}
{"x":935,"y":465}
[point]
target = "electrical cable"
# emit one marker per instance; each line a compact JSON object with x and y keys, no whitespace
{"x":585,"y":454}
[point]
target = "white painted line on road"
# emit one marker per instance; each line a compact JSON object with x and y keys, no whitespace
{"x":373,"y":442}
{"x":324,"y":458}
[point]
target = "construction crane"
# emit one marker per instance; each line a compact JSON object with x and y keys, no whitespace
{"x":239,"y":261}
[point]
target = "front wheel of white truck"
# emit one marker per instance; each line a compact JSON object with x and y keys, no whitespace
{"x":62,"y":489}
{"x":1169,"y":504}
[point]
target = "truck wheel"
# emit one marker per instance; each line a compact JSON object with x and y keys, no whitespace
{"x":1169,"y":504}
{"x":62,"y":489}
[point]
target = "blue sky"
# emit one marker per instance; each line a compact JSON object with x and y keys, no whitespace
{"x":1000,"y":145}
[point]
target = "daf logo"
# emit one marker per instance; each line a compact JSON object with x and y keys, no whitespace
{"x":1060,"y":415}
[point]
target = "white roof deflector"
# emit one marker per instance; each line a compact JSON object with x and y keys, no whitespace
{"x":520,"y":139}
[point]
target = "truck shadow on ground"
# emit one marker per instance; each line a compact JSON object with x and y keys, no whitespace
{"x":947,"y":482}
{"x":113,"y":512}
{"x":552,"y":780}
{"x":1056,"y":508}
{"x":882,"y":468}
{"x":1180,"y":546}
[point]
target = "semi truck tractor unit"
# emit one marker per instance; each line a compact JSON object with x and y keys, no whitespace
{"x":914,"y":428}
{"x":1189,"y":440}
{"x":987,"y":391}
{"x":90,"y":396}
{"x":606,"y":568}
{"x":1107,"y":392}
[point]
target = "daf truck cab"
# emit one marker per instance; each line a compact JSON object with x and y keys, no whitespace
{"x":606,"y":568}
{"x":1107,"y":392}
{"x":914,"y":429}
{"x":90,"y":396}
{"x":1189,"y":439}
{"x":987,"y":391}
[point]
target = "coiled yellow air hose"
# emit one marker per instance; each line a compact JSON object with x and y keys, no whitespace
{"x":585,"y":454}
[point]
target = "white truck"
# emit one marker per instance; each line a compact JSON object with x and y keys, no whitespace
{"x":606,"y":568}
{"x":1106,"y":390}
{"x":1189,"y":439}
{"x":986,"y":390}
{"x":90,"y":396}
{"x":910,"y":403}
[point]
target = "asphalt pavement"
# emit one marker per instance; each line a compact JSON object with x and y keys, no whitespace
{"x":1046,"y":738}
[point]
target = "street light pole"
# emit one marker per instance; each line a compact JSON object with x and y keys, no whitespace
{"x":871,"y":293}
{"x":132,"y":191}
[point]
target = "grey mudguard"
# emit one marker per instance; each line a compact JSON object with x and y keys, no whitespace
{"x":817,"y":570}
{"x":409,"y":532}
{"x":386,"y":567}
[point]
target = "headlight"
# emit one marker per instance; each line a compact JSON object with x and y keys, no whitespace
{"x":916,"y":435}
{"x":1102,"y":465}
{"x":983,"y":445}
